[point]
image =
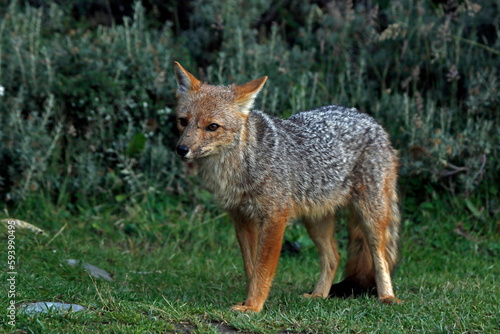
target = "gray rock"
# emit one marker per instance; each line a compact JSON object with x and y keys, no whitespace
{"x":91,"y":269}
{"x":47,"y":307}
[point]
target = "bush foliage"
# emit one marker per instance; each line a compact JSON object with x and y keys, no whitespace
{"x":87,"y":93}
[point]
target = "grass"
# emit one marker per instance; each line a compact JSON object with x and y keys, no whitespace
{"x":178,"y":269}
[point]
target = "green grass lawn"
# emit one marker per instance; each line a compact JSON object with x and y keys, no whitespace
{"x":179,"y":270}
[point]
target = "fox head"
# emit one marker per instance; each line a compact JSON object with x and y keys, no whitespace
{"x":211,"y":119}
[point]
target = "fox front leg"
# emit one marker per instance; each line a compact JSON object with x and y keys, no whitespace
{"x":266,"y":261}
{"x":247,"y":235}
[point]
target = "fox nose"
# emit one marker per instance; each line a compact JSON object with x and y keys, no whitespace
{"x":182,"y":150}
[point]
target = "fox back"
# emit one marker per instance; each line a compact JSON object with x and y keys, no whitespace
{"x":315,"y":158}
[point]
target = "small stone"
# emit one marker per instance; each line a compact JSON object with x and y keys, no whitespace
{"x":48,"y":307}
{"x":92,"y":270}
{"x":146,"y":272}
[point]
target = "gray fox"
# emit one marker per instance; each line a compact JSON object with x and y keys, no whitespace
{"x":266,"y":171}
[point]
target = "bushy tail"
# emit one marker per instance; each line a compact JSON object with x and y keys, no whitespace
{"x":359,"y":272}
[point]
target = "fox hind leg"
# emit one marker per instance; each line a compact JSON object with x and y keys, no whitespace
{"x":373,"y":231}
{"x":382,"y":229}
{"x":376,"y":231}
{"x":321,"y":232}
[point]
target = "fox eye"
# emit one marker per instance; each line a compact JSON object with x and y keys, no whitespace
{"x":212,"y":127}
{"x":183,"y":121}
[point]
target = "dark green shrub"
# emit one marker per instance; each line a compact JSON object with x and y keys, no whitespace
{"x":75,"y":99}
{"x":87,"y":109}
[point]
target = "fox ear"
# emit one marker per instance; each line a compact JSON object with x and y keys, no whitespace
{"x":185,"y":81}
{"x":247,"y":93}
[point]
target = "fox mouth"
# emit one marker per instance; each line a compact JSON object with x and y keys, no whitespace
{"x":196,"y":155}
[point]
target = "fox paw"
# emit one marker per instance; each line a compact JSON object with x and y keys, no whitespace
{"x":390,"y":300}
{"x":241,"y":307}
{"x":312,"y":295}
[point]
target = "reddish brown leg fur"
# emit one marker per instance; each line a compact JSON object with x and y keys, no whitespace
{"x":321,"y":232}
{"x":247,"y":234}
{"x":373,"y":226}
{"x":266,"y":261}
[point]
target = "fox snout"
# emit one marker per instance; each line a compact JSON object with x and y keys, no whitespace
{"x":188,"y":147}
{"x":182,"y":150}
{"x":197,"y":145}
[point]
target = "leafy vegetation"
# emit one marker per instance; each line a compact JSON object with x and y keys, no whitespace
{"x":77,"y":96}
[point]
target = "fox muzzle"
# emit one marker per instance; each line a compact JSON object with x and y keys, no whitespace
{"x":182,"y":150}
